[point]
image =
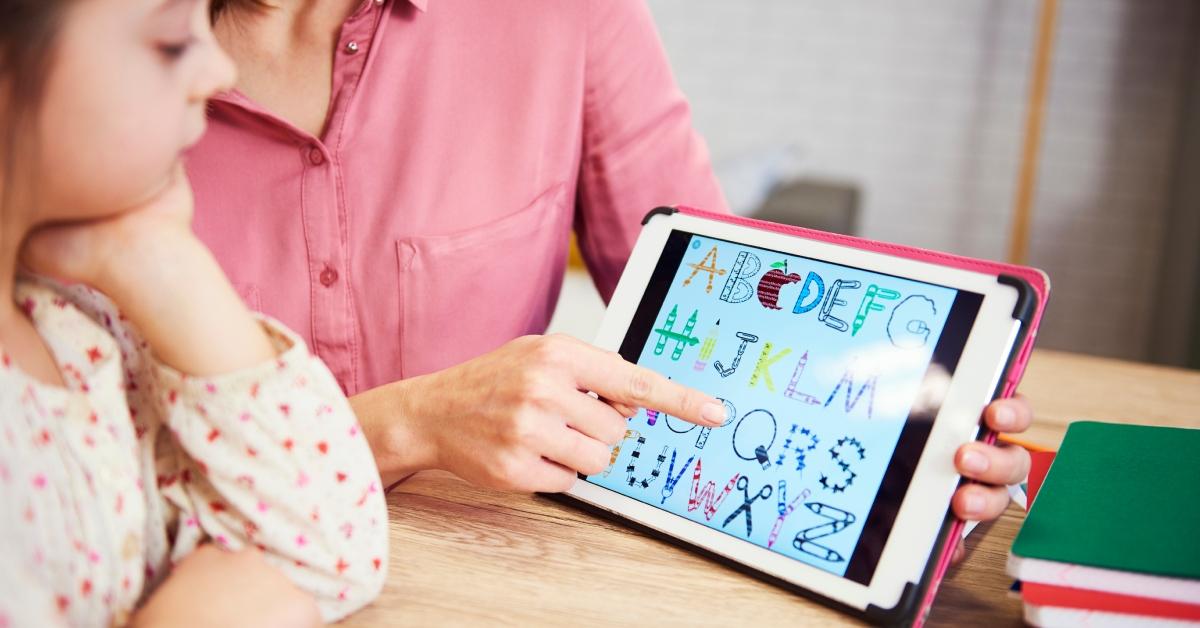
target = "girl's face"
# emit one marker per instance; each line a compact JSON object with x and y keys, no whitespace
{"x":125,"y":97}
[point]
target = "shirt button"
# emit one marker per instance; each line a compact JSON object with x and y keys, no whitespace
{"x":328,"y":276}
{"x":315,"y":156}
{"x":352,"y":47}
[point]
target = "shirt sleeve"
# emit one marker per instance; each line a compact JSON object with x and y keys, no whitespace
{"x":639,"y":148}
{"x":272,"y":456}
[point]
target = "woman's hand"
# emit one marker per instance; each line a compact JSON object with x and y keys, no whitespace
{"x":213,"y":587}
{"x":994,"y":466}
{"x":520,"y":418}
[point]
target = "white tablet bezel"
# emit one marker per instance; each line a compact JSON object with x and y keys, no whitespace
{"x":914,"y":533}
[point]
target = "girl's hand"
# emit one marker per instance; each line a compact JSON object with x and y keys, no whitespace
{"x":117,"y":249}
{"x":163,"y":279}
{"x":213,"y":587}
{"x":993,"y":465}
{"x":519,"y":418}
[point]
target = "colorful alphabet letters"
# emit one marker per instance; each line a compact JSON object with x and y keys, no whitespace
{"x":834,"y":358}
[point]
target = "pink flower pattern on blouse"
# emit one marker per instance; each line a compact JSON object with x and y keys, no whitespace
{"x":108,"y":482}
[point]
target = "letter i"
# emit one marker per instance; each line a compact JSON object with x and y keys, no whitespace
{"x":707,"y":348}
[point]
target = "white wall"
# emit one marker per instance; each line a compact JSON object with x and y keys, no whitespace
{"x":921,"y":102}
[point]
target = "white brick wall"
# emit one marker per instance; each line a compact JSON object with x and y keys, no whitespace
{"x":921,"y":102}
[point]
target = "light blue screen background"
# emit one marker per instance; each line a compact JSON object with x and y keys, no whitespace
{"x":871,"y":351}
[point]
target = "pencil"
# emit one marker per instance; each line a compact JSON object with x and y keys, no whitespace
{"x":1023,"y":443}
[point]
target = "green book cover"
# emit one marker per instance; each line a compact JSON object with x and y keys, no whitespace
{"x":1124,"y":497}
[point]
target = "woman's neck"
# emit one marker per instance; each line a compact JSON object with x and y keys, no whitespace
{"x":283,"y":29}
{"x":284,"y":56}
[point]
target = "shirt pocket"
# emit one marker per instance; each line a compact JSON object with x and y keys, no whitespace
{"x":466,"y":293}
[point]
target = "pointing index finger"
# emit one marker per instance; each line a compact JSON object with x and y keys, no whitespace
{"x":611,"y":377}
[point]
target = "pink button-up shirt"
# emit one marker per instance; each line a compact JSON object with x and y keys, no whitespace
{"x":429,"y":224}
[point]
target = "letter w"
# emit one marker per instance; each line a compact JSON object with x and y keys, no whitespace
{"x":708,"y":496}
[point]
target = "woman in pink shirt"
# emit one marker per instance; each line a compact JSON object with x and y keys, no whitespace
{"x":397,"y":180}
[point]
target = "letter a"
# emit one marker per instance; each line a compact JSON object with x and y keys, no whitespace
{"x":706,"y":266}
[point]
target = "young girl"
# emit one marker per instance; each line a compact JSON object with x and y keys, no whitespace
{"x":165,"y":457}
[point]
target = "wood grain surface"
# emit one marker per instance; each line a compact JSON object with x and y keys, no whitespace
{"x":461,"y":555}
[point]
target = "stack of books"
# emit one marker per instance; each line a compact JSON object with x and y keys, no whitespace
{"x":1112,"y":537}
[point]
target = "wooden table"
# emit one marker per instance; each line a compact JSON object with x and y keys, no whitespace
{"x":463,"y":555}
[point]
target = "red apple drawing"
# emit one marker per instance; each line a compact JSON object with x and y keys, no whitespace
{"x":769,"y":285}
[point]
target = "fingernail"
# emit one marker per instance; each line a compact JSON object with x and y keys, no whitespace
{"x":713,"y":413}
{"x":973,"y":503}
{"x":974,"y":462}
{"x":1005,"y":417}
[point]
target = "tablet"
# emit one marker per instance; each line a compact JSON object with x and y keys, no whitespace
{"x":851,"y":372}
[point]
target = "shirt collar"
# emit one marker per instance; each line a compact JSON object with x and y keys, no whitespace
{"x":234,"y":96}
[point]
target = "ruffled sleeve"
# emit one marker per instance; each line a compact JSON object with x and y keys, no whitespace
{"x":272,"y":456}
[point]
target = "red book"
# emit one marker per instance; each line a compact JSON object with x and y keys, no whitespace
{"x":1039,"y":466}
{"x":1065,"y":597}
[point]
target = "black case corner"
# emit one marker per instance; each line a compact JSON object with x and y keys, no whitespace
{"x":902,"y":614}
{"x":1024,"y":310}
{"x":1027,"y":297}
{"x":664,"y":210}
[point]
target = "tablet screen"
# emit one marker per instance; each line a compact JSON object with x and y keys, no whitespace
{"x":831,"y":377}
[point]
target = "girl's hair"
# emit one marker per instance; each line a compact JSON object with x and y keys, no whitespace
{"x":28,"y":33}
{"x":28,"y":30}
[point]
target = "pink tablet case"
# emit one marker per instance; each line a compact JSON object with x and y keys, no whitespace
{"x":1029,"y":310}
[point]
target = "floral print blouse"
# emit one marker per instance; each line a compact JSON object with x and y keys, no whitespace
{"x":106,"y":483}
